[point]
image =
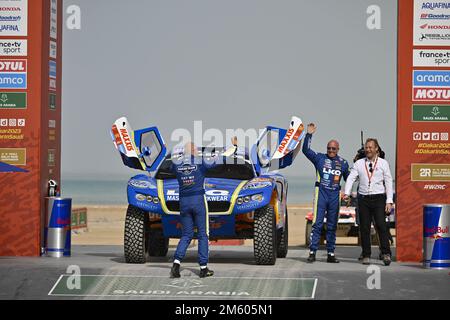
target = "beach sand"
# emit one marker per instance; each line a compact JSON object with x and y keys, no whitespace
{"x":106,"y":227}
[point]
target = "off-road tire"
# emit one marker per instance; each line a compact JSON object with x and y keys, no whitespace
{"x":265,"y":236}
{"x":283,"y":239}
{"x":135,"y":242}
{"x":308,"y":230}
{"x":158,"y":245}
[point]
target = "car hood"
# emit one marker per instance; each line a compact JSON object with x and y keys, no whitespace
{"x":216,"y":189}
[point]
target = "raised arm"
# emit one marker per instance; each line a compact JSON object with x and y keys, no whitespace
{"x":307,"y":151}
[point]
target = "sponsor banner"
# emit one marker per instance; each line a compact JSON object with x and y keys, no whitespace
{"x":51,"y":157}
{"x":13,"y":18}
{"x":13,"y":156}
{"x":431,"y":94}
{"x":13,"y":100}
{"x":431,"y":78}
{"x":52,"y":101}
{"x":431,"y":23}
{"x":430,"y":172}
{"x":53,"y":49}
{"x":431,"y":113}
{"x":53,"y":19}
{"x":13,"y":74}
{"x":431,"y":58}
{"x":16,"y":48}
{"x":13,"y":81}
{"x":13,"y":65}
{"x":52,"y":84}
{"x":52,"y":69}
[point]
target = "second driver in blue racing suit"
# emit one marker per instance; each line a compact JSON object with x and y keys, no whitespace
{"x":330,"y":168}
{"x":190,"y":169}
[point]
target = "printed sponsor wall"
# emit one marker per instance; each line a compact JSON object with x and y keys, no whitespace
{"x":423,"y":122}
{"x":30,"y":118}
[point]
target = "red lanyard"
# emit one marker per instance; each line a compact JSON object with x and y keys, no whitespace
{"x":369,"y":176}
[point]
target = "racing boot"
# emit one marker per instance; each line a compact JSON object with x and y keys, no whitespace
{"x":175,"y":271}
{"x":312,"y":257}
{"x":331,"y":258}
{"x":387,"y":259}
{"x":205,"y":272}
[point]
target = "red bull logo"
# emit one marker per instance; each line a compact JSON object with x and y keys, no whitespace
{"x":61,"y":221}
{"x":437,"y":232}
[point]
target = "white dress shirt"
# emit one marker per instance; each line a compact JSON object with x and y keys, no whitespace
{"x":380,"y":179}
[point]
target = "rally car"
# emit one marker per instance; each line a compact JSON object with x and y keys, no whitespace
{"x":246,"y":199}
{"x":347,"y":222}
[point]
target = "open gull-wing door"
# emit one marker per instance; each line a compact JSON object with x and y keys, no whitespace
{"x":276,"y":148}
{"x":141,"y":149}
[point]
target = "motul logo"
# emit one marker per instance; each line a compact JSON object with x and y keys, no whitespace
{"x":285,"y":140}
{"x":13,"y":65}
{"x":126,"y":139}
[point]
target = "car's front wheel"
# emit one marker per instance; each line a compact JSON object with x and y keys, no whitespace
{"x":135,"y":242}
{"x":265,"y":235}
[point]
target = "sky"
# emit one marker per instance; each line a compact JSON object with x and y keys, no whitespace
{"x":231,"y":64}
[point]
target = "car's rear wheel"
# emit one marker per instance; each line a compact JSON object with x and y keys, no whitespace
{"x":158,"y":245}
{"x":283,"y":239}
{"x":308,"y":230}
{"x":135,"y":243}
{"x":265,"y":234}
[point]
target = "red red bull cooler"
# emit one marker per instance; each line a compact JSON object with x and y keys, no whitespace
{"x":436,"y":236}
{"x":57,"y":231}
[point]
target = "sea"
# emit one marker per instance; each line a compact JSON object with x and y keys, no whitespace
{"x":114,"y":192}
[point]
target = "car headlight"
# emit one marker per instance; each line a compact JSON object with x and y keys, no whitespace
{"x":246,"y":199}
{"x":141,"y":197}
{"x":155,"y":200}
{"x":257,"y":197}
{"x":149,"y":198}
{"x":240,"y":201}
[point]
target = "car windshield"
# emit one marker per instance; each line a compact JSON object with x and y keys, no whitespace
{"x":234,"y":170}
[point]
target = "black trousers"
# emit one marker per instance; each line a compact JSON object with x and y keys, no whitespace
{"x":372,"y":208}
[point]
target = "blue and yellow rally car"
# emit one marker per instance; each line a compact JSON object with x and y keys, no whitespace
{"x":246,"y":197}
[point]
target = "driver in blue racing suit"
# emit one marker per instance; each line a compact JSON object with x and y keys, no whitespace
{"x":190,"y":169}
{"x":330,"y":168}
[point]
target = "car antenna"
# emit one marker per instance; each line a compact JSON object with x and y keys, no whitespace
{"x":362,"y":139}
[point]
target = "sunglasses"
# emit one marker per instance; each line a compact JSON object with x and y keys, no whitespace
{"x":370,"y":167}
{"x":331,"y":148}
